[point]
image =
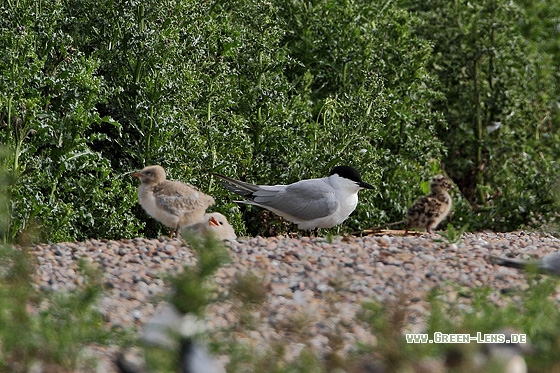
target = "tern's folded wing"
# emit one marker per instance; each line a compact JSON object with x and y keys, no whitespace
{"x":304,"y":200}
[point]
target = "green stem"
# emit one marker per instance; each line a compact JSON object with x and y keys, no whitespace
{"x":149,"y":141}
{"x":141,"y":27}
{"x":18,"y":147}
{"x":478,"y":130}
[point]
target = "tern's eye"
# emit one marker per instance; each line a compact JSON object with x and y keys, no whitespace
{"x":221,"y":223}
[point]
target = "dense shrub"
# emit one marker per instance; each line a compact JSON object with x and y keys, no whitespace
{"x":342,"y":47}
{"x":539,"y":24}
{"x":268,"y":92}
{"x":500,"y":135}
{"x":49,"y":90}
{"x":220,"y":86}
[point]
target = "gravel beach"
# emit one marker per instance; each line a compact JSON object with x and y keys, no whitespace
{"x":314,"y":287}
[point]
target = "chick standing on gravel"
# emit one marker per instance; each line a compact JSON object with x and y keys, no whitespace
{"x":428,"y":211}
{"x":173,"y":203}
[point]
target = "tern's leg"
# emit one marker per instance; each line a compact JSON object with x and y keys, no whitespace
{"x":315,"y":232}
{"x":174,"y":232}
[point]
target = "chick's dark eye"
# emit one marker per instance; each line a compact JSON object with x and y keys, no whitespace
{"x":221,"y":223}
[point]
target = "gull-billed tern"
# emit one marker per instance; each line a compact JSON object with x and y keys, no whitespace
{"x":311,"y":203}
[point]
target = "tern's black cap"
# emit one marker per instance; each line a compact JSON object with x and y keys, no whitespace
{"x":351,"y":173}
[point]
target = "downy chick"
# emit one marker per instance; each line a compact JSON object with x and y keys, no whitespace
{"x":173,"y":203}
{"x":428,"y":211}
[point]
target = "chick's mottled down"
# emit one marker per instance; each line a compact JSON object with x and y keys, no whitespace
{"x":428,"y":211}
{"x":173,"y":203}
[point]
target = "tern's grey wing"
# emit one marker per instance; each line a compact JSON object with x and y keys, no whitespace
{"x":304,"y":200}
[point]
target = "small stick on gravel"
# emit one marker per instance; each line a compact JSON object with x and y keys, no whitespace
{"x":377,"y":229}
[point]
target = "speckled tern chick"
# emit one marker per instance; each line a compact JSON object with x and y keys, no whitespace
{"x":173,"y":203}
{"x":428,"y":211}
{"x":311,"y":203}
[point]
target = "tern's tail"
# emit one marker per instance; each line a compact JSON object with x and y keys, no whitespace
{"x":537,"y":267}
{"x":507,"y":262}
{"x":239,"y":187}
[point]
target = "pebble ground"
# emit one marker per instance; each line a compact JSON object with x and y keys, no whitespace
{"x":314,"y":287}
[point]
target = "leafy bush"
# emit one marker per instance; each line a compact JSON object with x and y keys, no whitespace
{"x":49,"y":90}
{"x":44,"y":330}
{"x":539,"y":24}
{"x":220,"y":86}
{"x":501,"y":135}
{"x":50,"y":329}
{"x":268,"y":92}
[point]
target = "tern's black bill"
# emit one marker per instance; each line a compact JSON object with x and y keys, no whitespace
{"x":365,"y":185}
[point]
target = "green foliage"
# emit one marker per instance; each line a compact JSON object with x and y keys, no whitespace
{"x":272,"y":92}
{"x":267,"y":92}
{"x":539,"y":24}
{"x":388,"y":321}
{"x":40,"y":329}
{"x":49,"y":90}
{"x":452,"y":235}
{"x":191,"y":291}
{"x":532,"y":312}
{"x":501,"y":135}
{"x":245,"y":359}
{"x":48,"y":328}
